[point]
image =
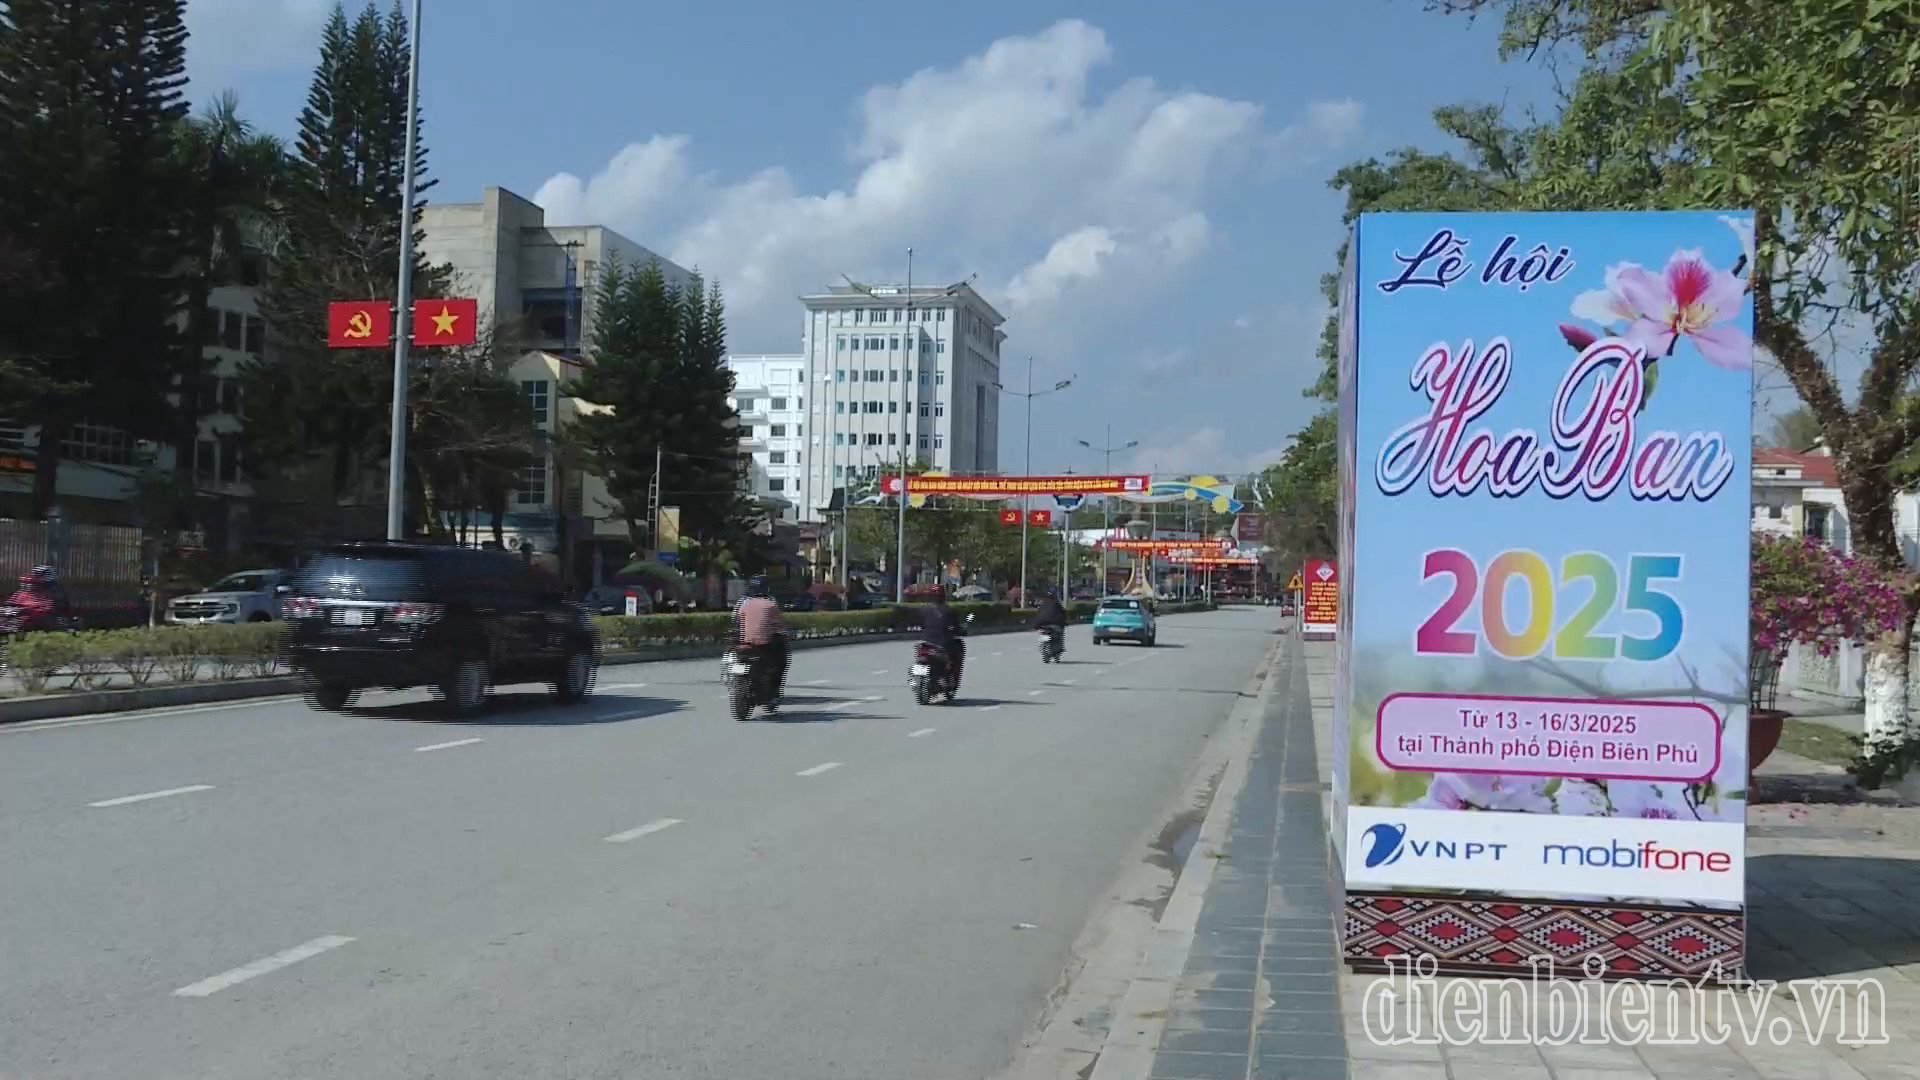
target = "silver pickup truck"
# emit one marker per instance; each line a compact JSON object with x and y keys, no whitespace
{"x":248,"y":596}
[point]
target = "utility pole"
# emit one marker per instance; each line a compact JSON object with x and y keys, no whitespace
{"x":403,"y":304}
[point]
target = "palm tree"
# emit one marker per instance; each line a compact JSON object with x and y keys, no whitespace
{"x":235,"y":178}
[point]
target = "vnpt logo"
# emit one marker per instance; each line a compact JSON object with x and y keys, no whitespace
{"x":1648,"y":856}
{"x":1388,"y":844}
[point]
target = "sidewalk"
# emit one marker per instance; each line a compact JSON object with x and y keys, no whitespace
{"x":1828,"y":882}
{"x":1832,"y":881}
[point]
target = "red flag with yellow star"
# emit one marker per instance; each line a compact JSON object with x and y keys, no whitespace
{"x":452,"y":321}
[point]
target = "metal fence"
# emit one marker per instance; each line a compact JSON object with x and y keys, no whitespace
{"x":100,"y":565}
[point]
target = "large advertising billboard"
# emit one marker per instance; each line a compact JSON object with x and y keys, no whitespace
{"x":1543,"y":665}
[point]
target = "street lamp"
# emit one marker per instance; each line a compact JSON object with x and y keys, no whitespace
{"x":1107,"y":450}
{"x":1025,"y":500}
{"x":906,"y":436}
{"x":403,"y":303}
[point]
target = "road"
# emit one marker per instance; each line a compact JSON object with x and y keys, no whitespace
{"x":636,"y":887}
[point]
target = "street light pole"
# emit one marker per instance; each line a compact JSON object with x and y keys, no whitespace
{"x":403,"y":304}
{"x":900,"y":542}
{"x":1026,"y":504}
{"x":1106,"y":502}
{"x":1026,"y":501}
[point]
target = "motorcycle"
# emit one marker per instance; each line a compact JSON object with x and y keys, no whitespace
{"x":932,"y":673}
{"x":1053,"y":644}
{"x":749,"y":684}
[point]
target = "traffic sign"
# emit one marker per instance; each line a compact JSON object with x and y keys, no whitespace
{"x":1294,"y":584}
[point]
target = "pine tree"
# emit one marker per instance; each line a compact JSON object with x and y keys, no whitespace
{"x":658,"y":363}
{"x":90,"y":93}
{"x":311,"y":405}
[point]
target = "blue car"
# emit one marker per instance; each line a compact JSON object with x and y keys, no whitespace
{"x":1124,"y":618}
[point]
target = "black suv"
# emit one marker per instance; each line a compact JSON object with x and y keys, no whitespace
{"x":398,"y":615}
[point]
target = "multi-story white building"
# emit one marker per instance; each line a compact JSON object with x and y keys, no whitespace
{"x":538,"y":280}
{"x":897,"y":375}
{"x":770,"y":393}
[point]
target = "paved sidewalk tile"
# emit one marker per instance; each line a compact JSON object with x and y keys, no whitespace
{"x":1260,"y":994}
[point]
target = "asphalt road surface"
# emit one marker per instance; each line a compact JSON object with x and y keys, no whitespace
{"x":637,"y":887}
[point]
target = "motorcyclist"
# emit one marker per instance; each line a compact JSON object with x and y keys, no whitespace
{"x":761,"y":634}
{"x":1051,"y":615}
{"x":943,"y":629}
{"x":40,"y":603}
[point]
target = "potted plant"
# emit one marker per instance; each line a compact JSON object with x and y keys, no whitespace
{"x":1805,"y":593}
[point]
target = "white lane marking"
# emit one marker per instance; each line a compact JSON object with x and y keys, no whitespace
{"x":814,"y":682}
{"x":989,"y":708}
{"x":1068,"y":682}
{"x":999,"y":652}
{"x":851,"y":702}
{"x":922,"y":731}
{"x":125,"y":799}
{"x":446,"y":745}
{"x":648,"y":829}
{"x":621,"y":686}
{"x":882,"y":671}
{"x":262,"y":966}
{"x":824,"y":766}
{"x":1035,"y":693}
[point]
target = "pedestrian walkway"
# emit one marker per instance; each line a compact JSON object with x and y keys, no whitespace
{"x":1832,"y":877}
{"x":1260,"y":993}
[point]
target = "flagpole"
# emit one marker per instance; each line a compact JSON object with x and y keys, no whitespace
{"x":403,"y":305}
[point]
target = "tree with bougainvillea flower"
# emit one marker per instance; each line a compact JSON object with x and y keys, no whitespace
{"x":1806,"y":593}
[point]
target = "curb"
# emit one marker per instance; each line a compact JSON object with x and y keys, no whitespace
{"x":1133,"y":1042}
{"x":1120,"y":966}
{"x":94,"y":702}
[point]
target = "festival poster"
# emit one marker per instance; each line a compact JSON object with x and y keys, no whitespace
{"x":1320,"y":599}
{"x":1543,"y":669}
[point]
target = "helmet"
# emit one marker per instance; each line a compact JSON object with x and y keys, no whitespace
{"x":939,"y":594}
{"x":42,"y":575}
{"x":757,"y":585}
{"x":1053,"y":594}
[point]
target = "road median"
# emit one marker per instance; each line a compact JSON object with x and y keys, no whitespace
{"x":168,"y":667}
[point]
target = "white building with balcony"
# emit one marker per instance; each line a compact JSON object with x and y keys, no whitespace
{"x":539,"y":280}
{"x":898,"y":376}
{"x":770,"y":394}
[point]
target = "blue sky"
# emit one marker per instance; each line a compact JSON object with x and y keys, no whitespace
{"x":1394,"y":533}
{"x":1142,"y":192}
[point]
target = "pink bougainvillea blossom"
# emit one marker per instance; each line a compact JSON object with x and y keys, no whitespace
{"x":1805,"y":593}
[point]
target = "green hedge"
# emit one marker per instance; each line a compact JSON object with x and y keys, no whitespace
{"x":184,"y":654}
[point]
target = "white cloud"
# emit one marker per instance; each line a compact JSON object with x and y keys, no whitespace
{"x":1075,"y":256}
{"x":1067,"y":204}
{"x":1166,"y":359}
{"x":230,"y":37}
{"x":1340,"y":119}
